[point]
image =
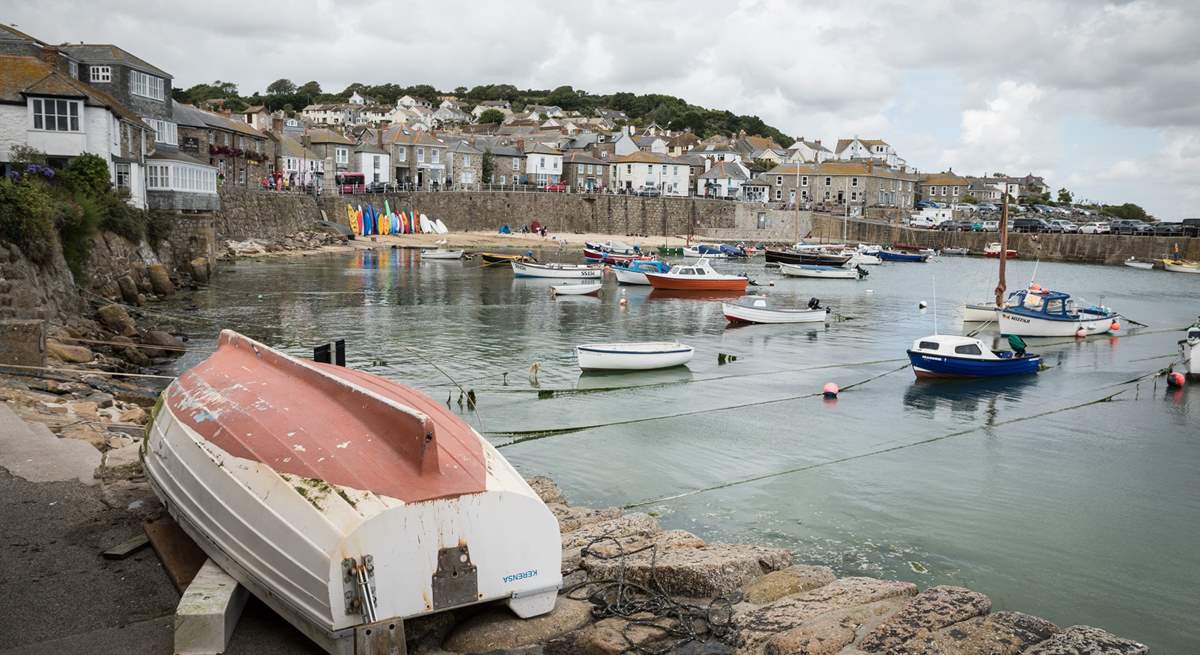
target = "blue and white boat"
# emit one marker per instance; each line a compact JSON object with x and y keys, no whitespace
{"x":635,"y":271}
{"x":1045,"y":313}
{"x":896,"y":256}
{"x":951,"y":356}
{"x":828,"y":272}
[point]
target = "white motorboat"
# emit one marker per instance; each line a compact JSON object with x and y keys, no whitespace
{"x":442,"y":254}
{"x":1189,"y":348}
{"x":862,"y":259}
{"x":635,"y":271}
{"x":343,"y":500}
{"x":757,"y":309}
{"x":638,"y":356}
{"x":869,"y":248}
{"x":613,"y":247}
{"x":557,"y":271}
{"x":1046,"y":313}
{"x":981,"y":312}
{"x":959,"y":252}
{"x":581,"y":289}
{"x":1134,"y":262}
{"x":704,"y":252}
{"x":826,"y":272}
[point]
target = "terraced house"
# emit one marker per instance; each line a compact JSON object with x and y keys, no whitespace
{"x":842,"y":185}
{"x":641,"y":172}
{"x":419,"y":158}
{"x":943,"y":187}
{"x":584,"y":172}
{"x":241,"y":154}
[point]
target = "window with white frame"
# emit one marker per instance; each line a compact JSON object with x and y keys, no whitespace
{"x":420,"y":155}
{"x":778,"y":180}
{"x":779,"y":194}
{"x":854,"y":181}
{"x":55,"y":115}
{"x":402,"y":154}
{"x":943,"y":191}
{"x":828,"y":182}
{"x":954,"y":191}
{"x":342,"y":155}
{"x":164,"y":131}
{"x":100,"y":73}
{"x":147,"y":86}
{"x":122,"y":175}
{"x":435,"y":155}
{"x":803,"y":180}
{"x":516,"y":164}
{"x":466,"y":160}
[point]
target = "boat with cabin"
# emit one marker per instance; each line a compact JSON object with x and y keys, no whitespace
{"x":1039,"y":312}
{"x":1181,"y":266}
{"x":993,"y":250}
{"x":700,"y":276}
{"x":613,"y":247}
{"x":705,"y":251}
{"x":758,"y":309}
{"x":557,"y":271}
{"x":952,"y":356}
{"x":1189,"y":348}
{"x":638,"y":356}
{"x":635,"y":272}
{"x":399,"y":511}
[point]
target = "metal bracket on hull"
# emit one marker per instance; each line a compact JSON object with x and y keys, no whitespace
{"x":358,"y":581}
{"x":382,"y":638}
{"x":456,"y":581}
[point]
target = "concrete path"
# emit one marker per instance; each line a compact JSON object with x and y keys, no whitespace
{"x":36,"y":454}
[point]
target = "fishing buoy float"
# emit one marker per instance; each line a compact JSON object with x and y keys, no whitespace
{"x":1080,"y":333}
{"x":623,"y":301}
{"x":869,"y":291}
{"x":830,"y":390}
{"x":922,"y":305}
{"x":1175,"y":379}
{"x":1115,"y":325}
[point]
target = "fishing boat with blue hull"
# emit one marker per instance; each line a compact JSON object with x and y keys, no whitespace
{"x":894,"y":256}
{"x":951,"y":356}
{"x":1046,"y":313}
{"x":635,"y":271}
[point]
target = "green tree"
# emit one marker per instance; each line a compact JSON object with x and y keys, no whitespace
{"x":460,"y":91}
{"x":1127,"y":211}
{"x":491,"y":116}
{"x":488,"y":162}
{"x":311,"y":89}
{"x":1065,"y":197}
{"x":86,"y":173}
{"x":281,"y":87}
{"x":565,"y":97}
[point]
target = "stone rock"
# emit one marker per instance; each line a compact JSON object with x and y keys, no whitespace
{"x":547,"y":490}
{"x":628,"y":532}
{"x":124,"y":456}
{"x":498,"y":628}
{"x":573,"y":518}
{"x":1086,"y":640}
{"x":785,"y":582}
{"x":697,"y":572}
{"x":821,"y":636}
{"x":160,"y":281}
{"x":930,"y":610}
{"x":67,"y":353}
{"x":135,"y":356}
{"x":613,"y":636}
{"x":134,"y":415}
{"x":85,"y":409}
{"x":171,"y":346}
{"x":110,"y":290}
{"x":129,"y":289}
{"x":200,"y":269}
{"x":102,"y":400}
{"x":1002,"y":633}
{"x":116,"y":319}
{"x":757,"y":625}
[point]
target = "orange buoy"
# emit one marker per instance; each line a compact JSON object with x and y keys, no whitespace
{"x":1080,"y":333}
{"x":1115,"y":325}
{"x":1175,"y":379}
{"x":830,"y":390}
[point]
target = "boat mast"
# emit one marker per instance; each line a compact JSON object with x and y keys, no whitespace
{"x":1001,"y":287}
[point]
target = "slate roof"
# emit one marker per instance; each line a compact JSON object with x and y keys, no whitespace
{"x":195,"y":117}
{"x":582,"y":158}
{"x":105,"y":53}
{"x":328,"y":136}
{"x":724,"y":170}
{"x":20,"y":75}
{"x":537,"y":148}
{"x":842,"y":144}
{"x":946,"y":179}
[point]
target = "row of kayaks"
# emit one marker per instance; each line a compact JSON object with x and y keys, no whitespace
{"x":367,"y":220}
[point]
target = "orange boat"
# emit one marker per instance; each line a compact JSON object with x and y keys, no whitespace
{"x":698,"y":277}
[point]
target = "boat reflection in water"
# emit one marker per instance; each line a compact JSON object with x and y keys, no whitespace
{"x":694,"y":294}
{"x":931,"y":395}
{"x":616,"y":380}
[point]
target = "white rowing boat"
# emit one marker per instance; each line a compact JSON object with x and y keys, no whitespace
{"x":756,"y":309}
{"x":441,"y":254}
{"x":557,"y":271}
{"x":582,"y":289}
{"x":638,"y":356}
{"x":826,"y":272}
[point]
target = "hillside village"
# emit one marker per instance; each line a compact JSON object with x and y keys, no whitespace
{"x":63,"y":100}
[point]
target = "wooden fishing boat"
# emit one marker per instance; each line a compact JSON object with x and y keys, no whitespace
{"x":697,"y":277}
{"x":807,"y":257}
{"x":951,"y":356}
{"x":757,"y":309}
{"x":824,"y":272}
{"x":1181,"y":266}
{"x":557,"y":271}
{"x":639,"y":356}
{"x":993,"y":250}
{"x":1048,"y":313}
{"x":895,"y":256}
{"x":583,"y":289}
{"x":503,"y":258}
{"x":1134,"y":262}
{"x":441,"y":254}
{"x":635,"y":272}
{"x":343,"y":500}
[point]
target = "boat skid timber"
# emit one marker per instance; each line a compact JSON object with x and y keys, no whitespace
{"x":345,"y":501}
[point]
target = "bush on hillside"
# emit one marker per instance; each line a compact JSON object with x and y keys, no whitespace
{"x":26,"y":217}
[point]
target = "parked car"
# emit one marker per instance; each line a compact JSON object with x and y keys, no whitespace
{"x":557,"y":187}
{"x":1129,"y":226}
{"x":1030,"y":225}
{"x":649,"y":190}
{"x":991,"y":226}
{"x":988,"y":207}
{"x":1166,"y":229}
{"x":1098,"y":227}
{"x":1064,"y":226}
{"x":377,"y":187}
{"x":927,"y":222}
{"x":926,"y":204}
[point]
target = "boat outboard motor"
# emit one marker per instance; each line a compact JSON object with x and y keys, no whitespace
{"x":862,"y":272}
{"x":814,"y":303}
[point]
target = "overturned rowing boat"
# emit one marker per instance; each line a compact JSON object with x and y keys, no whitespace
{"x":342,"y":499}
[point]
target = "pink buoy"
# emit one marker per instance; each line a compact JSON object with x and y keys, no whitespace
{"x":830,"y":390}
{"x":1080,"y":333}
{"x":1175,"y":379}
{"x":1115,"y":325}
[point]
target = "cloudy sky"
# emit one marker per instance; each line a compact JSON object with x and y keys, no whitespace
{"x":1102,"y":98}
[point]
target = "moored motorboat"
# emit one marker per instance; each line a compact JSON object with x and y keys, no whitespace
{"x":441,"y":254}
{"x":897,"y":256}
{"x":758,"y":309}
{"x":343,"y":500}
{"x":596,"y":256}
{"x":808,"y":256}
{"x":638,"y":356}
{"x":1045,"y":313}
{"x":705,"y":251}
{"x":1189,"y":348}
{"x":826,"y":272}
{"x":635,"y":272}
{"x":981,"y":312}
{"x":557,"y":271}
{"x":1134,"y":262}
{"x":697,"y":277}
{"x":862,"y":259}
{"x":582,"y":289}
{"x":1181,"y":266}
{"x":993,"y":250}
{"x":613,"y":247}
{"x":951,"y":356}
{"x":957,"y":252}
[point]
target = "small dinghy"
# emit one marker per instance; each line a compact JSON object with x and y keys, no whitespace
{"x":757,"y":309}
{"x":826,"y":272}
{"x":584,"y":289}
{"x":639,"y":356}
{"x":343,"y":500}
{"x":557,"y":271}
{"x":950,"y":356}
{"x":957,"y":252}
{"x":1134,"y":262}
{"x":993,"y":250}
{"x":441,"y":254}
{"x":502,"y":258}
{"x":635,"y":272}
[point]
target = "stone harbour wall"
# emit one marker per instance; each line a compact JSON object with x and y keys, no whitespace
{"x":257,"y":214}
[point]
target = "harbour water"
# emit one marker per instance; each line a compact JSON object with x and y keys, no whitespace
{"x":1030,"y":491}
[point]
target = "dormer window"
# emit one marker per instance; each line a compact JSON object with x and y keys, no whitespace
{"x":55,"y":115}
{"x":101,"y":73}
{"x":145,"y":85}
